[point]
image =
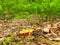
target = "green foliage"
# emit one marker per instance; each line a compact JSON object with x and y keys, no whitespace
{"x":23,"y":7}
{"x":8,"y":40}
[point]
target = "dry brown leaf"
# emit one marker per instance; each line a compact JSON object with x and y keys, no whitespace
{"x":46,"y":29}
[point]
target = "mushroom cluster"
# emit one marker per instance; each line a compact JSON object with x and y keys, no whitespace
{"x":26,"y":31}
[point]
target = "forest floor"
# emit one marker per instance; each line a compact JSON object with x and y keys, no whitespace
{"x":44,"y":33}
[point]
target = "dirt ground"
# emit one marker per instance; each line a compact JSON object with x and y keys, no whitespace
{"x":44,"y":33}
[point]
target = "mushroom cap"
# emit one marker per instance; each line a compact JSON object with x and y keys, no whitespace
{"x":24,"y":31}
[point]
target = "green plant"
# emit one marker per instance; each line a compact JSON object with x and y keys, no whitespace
{"x":8,"y":40}
{"x":26,"y":7}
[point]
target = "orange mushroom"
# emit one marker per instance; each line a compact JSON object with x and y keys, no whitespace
{"x":26,"y":31}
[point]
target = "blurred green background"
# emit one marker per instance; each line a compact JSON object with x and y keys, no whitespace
{"x":20,"y":8}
